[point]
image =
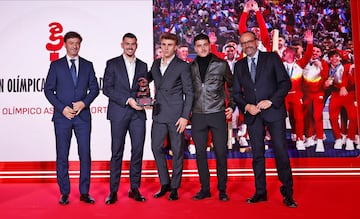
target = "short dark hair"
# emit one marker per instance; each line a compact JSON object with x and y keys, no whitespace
{"x":318,"y":46}
{"x":333,"y":52}
{"x":129,"y":35}
{"x":229,"y":46}
{"x":232,"y":41}
{"x":169,"y":36}
{"x":201,"y":36}
{"x":183,"y":45}
{"x":72,"y":34}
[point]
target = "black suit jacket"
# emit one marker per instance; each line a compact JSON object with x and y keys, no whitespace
{"x":117,"y":88}
{"x":173,"y":91}
{"x":271,"y":83}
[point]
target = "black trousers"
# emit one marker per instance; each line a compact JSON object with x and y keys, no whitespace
{"x":216,"y":123}
{"x":278,"y":137}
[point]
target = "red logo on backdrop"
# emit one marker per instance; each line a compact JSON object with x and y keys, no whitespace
{"x":57,"y":40}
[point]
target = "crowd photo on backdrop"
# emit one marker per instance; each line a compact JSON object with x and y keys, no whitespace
{"x":303,"y":34}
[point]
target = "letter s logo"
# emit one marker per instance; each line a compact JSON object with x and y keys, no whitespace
{"x":57,"y":39}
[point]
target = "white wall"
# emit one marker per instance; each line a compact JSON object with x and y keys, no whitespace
{"x":24,"y":31}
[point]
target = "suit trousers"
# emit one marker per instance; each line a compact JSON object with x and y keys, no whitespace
{"x":277,"y":131}
{"x":63,"y":134}
{"x":158,"y":133}
{"x":216,"y":123}
{"x":119,"y":129}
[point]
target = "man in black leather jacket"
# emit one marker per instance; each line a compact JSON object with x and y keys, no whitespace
{"x":211,"y":77}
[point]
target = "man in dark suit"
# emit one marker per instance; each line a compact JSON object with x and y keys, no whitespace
{"x":71,"y":86}
{"x":121,"y":86}
{"x":260,"y":86}
{"x":174,"y":96}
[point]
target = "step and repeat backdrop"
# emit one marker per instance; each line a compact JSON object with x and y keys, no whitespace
{"x":31,"y":33}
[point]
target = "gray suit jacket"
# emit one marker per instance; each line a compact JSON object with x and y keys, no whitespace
{"x":173,"y":91}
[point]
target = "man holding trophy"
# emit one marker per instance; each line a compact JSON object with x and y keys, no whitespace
{"x":127,"y":89}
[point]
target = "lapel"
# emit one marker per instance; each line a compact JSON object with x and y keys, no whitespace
{"x":123,"y":71}
{"x":137,"y":73}
{"x":170,"y":68}
{"x":259,"y":66}
{"x":66,"y":69}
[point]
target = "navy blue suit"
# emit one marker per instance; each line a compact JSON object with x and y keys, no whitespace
{"x":124,"y":118}
{"x":61,"y":92}
{"x":271,"y":83}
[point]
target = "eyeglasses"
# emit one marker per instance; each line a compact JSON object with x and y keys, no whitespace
{"x":247,"y":42}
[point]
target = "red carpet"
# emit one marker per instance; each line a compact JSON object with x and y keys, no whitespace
{"x":317,"y":197}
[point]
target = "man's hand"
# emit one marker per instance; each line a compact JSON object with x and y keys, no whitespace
{"x":132,"y":103}
{"x":78,"y":106}
{"x":309,"y":37}
{"x":69,"y":113}
{"x":264,"y":104}
{"x":252,"y":109}
{"x":212,"y":38}
{"x":343,"y":91}
{"x":228,"y":112}
{"x":181,"y":124}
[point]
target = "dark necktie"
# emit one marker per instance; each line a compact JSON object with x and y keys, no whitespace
{"x":73,"y":71}
{"x":253,"y":69}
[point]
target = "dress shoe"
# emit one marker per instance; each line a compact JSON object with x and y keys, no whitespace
{"x":164,"y":189}
{"x":64,"y":200}
{"x":290,"y":202}
{"x":173,"y":195}
{"x":111,"y":199}
{"x":87,"y":199}
{"x":257,"y":198}
{"x":135,"y":194}
{"x":201,"y":195}
{"x":223,"y":196}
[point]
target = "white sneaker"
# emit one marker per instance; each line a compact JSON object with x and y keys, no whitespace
{"x":192,"y":149}
{"x":338,"y":144}
{"x":357,"y":140}
{"x":343,"y":139}
{"x":229,"y":144}
{"x":300,"y":145}
{"x":310,"y":142}
{"x":243,"y":142}
{"x":349,"y":145}
{"x":319,"y":146}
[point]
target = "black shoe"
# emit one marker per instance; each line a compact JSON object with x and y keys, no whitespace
{"x":290,"y":202}
{"x":87,"y":199}
{"x":111,"y":199}
{"x":173,"y":195}
{"x":257,"y":198}
{"x":201,"y":195}
{"x":163,"y":190}
{"x":64,"y":200}
{"x":135,"y":194}
{"x":223,"y":196}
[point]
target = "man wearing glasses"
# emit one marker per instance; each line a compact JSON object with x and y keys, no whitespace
{"x":260,"y":86}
